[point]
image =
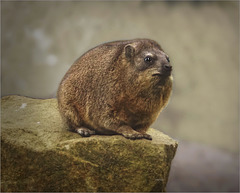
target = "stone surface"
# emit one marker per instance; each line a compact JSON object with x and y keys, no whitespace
{"x":39,"y":154}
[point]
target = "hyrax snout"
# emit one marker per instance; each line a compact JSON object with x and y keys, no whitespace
{"x":116,"y":88}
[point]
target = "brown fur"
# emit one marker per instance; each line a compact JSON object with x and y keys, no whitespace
{"x":112,"y":90}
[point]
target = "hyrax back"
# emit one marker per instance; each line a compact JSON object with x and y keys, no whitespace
{"x":116,"y":88}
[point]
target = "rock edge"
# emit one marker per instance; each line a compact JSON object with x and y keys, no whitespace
{"x":39,"y":154}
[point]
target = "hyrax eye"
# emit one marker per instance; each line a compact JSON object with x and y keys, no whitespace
{"x":148,"y":59}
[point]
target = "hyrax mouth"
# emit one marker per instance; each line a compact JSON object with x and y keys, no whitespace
{"x":162,"y":74}
{"x":157,"y":74}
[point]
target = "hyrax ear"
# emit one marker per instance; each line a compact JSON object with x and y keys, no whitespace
{"x":129,"y":51}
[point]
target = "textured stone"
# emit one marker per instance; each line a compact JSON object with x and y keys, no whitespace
{"x":39,"y":154}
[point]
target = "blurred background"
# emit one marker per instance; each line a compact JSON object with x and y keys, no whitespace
{"x":40,"y":41}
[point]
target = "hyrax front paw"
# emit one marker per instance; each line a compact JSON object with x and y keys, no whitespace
{"x":85,"y":132}
{"x":130,"y":133}
{"x":134,"y":136}
{"x":146,"y":136}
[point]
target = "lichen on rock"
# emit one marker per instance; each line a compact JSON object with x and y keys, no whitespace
{"x":39,"y":154}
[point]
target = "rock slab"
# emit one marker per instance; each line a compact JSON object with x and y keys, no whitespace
{"x":39,"y":155}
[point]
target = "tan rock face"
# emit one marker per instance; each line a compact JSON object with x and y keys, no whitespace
{"x":39,"y":154}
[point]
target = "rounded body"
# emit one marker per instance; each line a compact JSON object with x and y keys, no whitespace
{"x":116,"y":88}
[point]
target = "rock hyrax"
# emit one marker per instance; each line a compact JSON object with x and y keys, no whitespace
{"x":116,"y":88}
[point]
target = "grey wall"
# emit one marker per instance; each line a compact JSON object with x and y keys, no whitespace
{"x":40,"y":40}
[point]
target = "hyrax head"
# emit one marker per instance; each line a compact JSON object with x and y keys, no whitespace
{"x":148,"y":58}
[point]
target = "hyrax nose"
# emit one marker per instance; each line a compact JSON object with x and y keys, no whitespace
{"x":167,"y":67}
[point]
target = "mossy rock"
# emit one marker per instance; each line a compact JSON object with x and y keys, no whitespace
{"x":39,"y":154}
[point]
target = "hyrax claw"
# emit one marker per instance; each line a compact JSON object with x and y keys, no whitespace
{"x":85,"y":132}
